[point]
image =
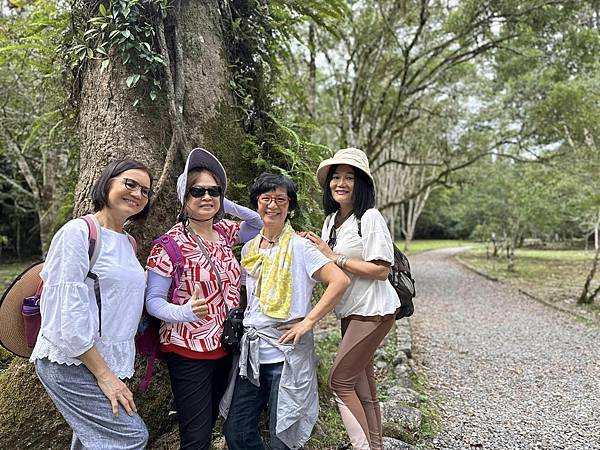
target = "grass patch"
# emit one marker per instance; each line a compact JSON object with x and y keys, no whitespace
{"x":555,"y":276}
{"x":425,"y":245}
{"x":431,"y":423}
{"x":8,"y":271}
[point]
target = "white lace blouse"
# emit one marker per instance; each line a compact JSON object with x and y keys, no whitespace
{"x":68,"y":305}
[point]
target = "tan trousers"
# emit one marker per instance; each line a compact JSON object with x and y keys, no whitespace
{"x":352,"y":379}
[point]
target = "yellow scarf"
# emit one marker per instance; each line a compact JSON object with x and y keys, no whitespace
{"x":274,"y":274}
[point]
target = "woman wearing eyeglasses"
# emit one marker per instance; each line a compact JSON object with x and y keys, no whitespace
{"x":355,"y":236}
{"x":209,"y":286}
{"x":277,"y":367}
{"x":86,"y":342}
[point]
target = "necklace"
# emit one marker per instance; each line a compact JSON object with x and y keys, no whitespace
{"x":270,"y":241}
{"x":339,"y":220}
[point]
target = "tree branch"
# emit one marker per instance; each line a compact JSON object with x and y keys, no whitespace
{"x":175,"y":90}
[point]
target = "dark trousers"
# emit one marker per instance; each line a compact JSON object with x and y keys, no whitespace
{"x":241,"y":427}
{"x":197,"y":385}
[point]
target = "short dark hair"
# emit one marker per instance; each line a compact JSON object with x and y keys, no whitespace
{"x":104,"y":182}
{"x":267,"y":182}
{"x":363,"y":194}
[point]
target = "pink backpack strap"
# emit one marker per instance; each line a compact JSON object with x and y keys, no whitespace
{"x":94,"y":237}
{"x":174,"y":253}
{"x":151,"y":347}
{"x":133,"y":243}
{"x":223,"y":234}
{"x":94,"y":240}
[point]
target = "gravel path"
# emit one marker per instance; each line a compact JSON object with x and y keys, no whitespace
{"x":505,"y":371}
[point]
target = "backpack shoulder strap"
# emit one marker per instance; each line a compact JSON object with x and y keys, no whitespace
{"x":174,"y":253}
{"x":223,"y":234}
{"x":133,"y":242}
{"x":94,"y":239}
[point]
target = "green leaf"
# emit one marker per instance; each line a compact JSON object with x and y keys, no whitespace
{"x":104,"y":65}
{"x":90,"y":53}
{"x":102,"y":9}
{"x":132,"y":80}
{"x":153,"y":95}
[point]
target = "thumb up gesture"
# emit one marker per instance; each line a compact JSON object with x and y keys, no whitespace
{"x":199,"y":306}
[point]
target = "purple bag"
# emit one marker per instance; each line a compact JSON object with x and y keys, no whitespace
{"x":30,"y":309}
{"x":147,"y":340}
{"x":32,"y":319}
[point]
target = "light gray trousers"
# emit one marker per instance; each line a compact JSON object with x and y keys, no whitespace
{"x":79,"y":399}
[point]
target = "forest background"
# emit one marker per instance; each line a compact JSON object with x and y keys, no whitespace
{"x":481,"y":119}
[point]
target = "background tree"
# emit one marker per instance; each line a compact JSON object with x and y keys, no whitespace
{"x":37,"y":142}
{"x":152,"y":80}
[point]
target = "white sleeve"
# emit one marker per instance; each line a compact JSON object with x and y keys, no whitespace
{"x":313,"y":258}
{"x":158,"y":306}
{"x":376,"y":238}
{"x":66,"y":311}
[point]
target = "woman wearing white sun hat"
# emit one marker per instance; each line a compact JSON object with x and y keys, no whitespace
{"x":355,"y":236}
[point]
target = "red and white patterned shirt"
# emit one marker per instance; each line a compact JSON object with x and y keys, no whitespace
{"x":203,"y":336}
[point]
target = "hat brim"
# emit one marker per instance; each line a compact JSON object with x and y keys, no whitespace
{"x":323,"y":170}
{"x":12,"y":331}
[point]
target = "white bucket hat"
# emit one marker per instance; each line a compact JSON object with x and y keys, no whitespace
{"x":350,"y":156}
{"x":199,"y":157}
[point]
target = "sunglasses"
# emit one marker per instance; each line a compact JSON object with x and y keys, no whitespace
{"x":132,"y":185}
{"x":200,"y":191}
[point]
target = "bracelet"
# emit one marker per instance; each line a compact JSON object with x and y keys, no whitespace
{"x":341,"y":261}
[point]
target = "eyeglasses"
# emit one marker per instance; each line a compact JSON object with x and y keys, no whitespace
{"x":200,"y":191}
{"x":332,"y":238}
{"x":132,"y":185}
{"x":266,"y":199}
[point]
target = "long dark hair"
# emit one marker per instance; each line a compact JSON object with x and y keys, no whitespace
{"x":104,"y":182}
{"x":363,"y":194}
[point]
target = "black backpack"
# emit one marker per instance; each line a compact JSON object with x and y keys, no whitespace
{"x":402,"y":281}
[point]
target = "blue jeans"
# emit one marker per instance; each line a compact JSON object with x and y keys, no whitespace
{"x":77,"y":396}
{"x":241,"y":427}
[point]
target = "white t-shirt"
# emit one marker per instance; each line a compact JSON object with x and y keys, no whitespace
{"x":306,"y":260}
{"x":364,"y":296}
{"x":68,"y":304}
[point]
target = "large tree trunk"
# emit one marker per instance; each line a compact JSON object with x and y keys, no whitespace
{"x":111,"y":127}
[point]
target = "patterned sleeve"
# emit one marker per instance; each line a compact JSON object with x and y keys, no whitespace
{"x":159,"y":262}
{"x":229,"y":229}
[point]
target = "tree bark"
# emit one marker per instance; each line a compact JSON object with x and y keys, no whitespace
{"x":110,"y":127}
{"x":586,"y":297}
